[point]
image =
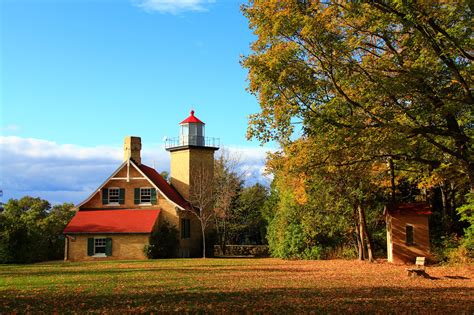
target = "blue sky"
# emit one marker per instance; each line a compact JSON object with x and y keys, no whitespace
{"x":79,"y":75}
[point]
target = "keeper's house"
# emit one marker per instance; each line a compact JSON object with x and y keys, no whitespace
{"x":117,"y":219}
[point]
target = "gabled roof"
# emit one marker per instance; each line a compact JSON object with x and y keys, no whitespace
{"x":163,"y":186}
{"x":412,"y":208}
{"x":192,"y":119}
{"x":154,"y":178}
{"x":112,"y":221}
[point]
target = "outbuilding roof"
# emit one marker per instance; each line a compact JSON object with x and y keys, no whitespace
{"x":112,"y":221}
{"x":412,"y":208}
{"x":192,"y":119}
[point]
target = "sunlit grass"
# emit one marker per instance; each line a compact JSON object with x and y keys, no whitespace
{"x":220,"y":285}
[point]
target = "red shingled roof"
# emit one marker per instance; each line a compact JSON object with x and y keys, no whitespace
{"x":112,"y":221}
{"x":164,"y":186}
{"x":192,"y":119}
{"x":414,"y":208}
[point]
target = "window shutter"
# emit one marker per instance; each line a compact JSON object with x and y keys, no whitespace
{"x":122,"y":196}
{"x":105,"y":196}
{"x":137,"y":196}
{"x":108,"y":247}
{"x":182,"y":227}
{"x":90,"y":246}
{"x":185,"y":228}
{"x":153,"y":196}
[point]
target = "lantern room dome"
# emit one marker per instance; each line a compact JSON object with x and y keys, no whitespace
{"x":192,"y":119}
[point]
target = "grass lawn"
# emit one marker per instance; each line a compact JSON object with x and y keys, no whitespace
{"x":237,"y":285}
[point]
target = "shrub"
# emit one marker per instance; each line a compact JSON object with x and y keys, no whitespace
{"x":163,"y":242}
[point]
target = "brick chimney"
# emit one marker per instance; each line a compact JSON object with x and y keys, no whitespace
{"x":131,"y":149}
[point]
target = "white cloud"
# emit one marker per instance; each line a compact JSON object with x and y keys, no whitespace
{"x":173,"y":6}
{"x":69,"y":173}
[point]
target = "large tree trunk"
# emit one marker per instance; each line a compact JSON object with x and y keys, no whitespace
{"x":365,"y":233}
{"x":361,"y":232}
{"x":444,"y":206}
{"x":360,"y":244}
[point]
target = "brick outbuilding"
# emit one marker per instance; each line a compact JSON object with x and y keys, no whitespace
{"x":407,"y":232}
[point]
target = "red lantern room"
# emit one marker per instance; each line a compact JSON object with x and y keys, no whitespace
{"x":192,"y":131}
{"x":192,"y":134}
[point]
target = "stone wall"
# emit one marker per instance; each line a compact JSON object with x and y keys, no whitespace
{"x":242,"y":250}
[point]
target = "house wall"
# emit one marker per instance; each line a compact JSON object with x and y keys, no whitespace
{"x":401,"y":252}
{"x":124,"y":246}
{"x":187,"y":247}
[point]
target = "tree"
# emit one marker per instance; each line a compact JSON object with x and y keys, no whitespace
{"x":30,"y":230}
{"x":165,"y":175}
{"x":163,"y":242}
{"x":330,"y":203}
{"x":228,"y":184}
{"x":388,"y":80}
{"x":201,"y":199}
{"x":248,"y":225}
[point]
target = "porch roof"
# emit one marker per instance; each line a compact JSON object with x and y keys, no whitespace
{"x":112,"y":221}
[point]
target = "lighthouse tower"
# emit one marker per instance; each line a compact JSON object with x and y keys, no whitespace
{"x":192,"y":155}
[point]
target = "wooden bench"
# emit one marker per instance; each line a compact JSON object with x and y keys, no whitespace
{"x":419,"y":269}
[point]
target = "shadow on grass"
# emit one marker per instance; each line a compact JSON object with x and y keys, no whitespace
{"x":287,"y":300}
{"x":212,"y":269}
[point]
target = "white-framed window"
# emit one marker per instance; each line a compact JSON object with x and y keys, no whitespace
{"x":99,"y":246}
{"x":114,"y":195}
{"x":145,"y":195}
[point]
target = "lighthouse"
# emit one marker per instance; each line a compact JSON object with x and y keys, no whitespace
{"x":192,"y":155}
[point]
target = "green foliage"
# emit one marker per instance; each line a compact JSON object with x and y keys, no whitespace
{"x":305,"y":231}
{"x":30,"y":230}
{"x":466,"y":213}
{"x":163,"y":242}
{"x":382,"y":91}
{"x":237,"y":209}
{"x":445,"y":246}
{"x":247,"y":225}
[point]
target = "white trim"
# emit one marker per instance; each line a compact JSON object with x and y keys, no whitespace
{"x":128,"y":170}
{"x":151,"y":182}
{"x":103,"y":184}
{"x":127,"y":179}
